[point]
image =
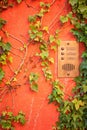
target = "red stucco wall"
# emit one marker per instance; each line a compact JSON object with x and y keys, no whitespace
{"x":40,"y":114}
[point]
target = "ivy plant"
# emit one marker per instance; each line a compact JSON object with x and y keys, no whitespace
{"x":4,"y":51}
{"x":5,"y":4}
{"x":33,"y":78}
{"x":36,"y":35}
{"x":73,"y":111}
{"x":7,"y":120}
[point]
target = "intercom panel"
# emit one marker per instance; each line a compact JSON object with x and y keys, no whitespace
{"x":68,"y":59}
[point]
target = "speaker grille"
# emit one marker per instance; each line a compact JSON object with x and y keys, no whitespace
{"x":68,"y":59}
{"x":68,"y":67}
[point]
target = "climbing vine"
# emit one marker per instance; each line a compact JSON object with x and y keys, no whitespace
{"x":72,"y":111}
{"x":38,"y":35}
{"x":4,"y":4}
{"x":7,"y":119}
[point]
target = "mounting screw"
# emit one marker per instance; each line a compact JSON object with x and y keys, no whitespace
{"x":62,"y":48}
{"x":68,"y":74}
{"x":62,"y":58}
{"x":62,"y":53}
{"x":68,"y":43}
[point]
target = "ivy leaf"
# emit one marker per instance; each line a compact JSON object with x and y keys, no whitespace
{"x":46,"y":29}
{"x":3,"y":59}
{"x":21,"y":117}
{"x":45,"y":63}
{"x":42,"y":4}
{"x":43,"y":47}
{"x":4,"y":113}
{"x":33,"y":77}
{"x":82,"y":8}
{"x":73,"y":2}
{"x":84,"y":55}
{"x":51,"y":38}
{"x":6,"y":124}
{"x":38,"y":24}
{"x":34,"y":87}
{"x":7,"y":46}
{"x":10,"y":114}
{"x":2,"y":74}
{"x":47,"y":73}
{"x":84,"y":88}
{"x":2,"y":23}
{"x":58,"y":42}
{"x":39,"y":34}
{"x":54,"y":48}
{"x":19,"y":1}
{"x":14,"y":79}
{"x":63,"y":19}
{"x":10,"y":59}
{"x":32,"y":18}
{"x":51,"y":60}
{"x":78,"y":103}
{"x":44,"y":55}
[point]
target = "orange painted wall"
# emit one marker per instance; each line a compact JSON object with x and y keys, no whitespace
{"x":39,"y":114}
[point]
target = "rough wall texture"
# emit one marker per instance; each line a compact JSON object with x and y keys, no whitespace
{"x":40,"y":114}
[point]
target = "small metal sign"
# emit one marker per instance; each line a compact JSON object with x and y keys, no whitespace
{"x":68,"y":59}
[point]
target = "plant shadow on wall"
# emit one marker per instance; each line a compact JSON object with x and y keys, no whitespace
{"x":73,"y":111}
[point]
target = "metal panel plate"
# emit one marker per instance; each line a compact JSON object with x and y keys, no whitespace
{"x":68,"y":59}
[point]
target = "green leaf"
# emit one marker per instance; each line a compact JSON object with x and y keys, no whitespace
{"x":34,"y":87}
{"x":10,"y":59}
{"x":45,"y":63}
{"x":33,"y":77}
{"x":5,"y":46}
{"x":47,"y":73}
{"x":51,"y":60}
{"x":21,"y":117}
{"x":38,"y":24}
{"x":2,"y":74}
{"x":46,"y":29}
{"x":82,"y":8}
{"x":32,"y":18}
{"x":63,"y":19}
{"x":2,"y":23}
{"x":69,"y":15}
{"x":4,"y":113}
{"x":78,"y":103}
{"x":84,"y":88}
{"x":44,"y":55}
{"x":39,"y":34}
{"x":43,"y":47}
{"x":42,"y":4}
{"x":3,"y":59}
{"x":19,"y":1}
{"x":73,"y":2}
{"x":51,"y":38}
{"x":54,"y":48}
{"x":58,"y":42}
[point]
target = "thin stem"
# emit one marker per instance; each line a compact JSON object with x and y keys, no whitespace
{"x":53,"y":1}
{"x":20,"y":66}
{"x":15,"y":54}
{"x":10,"y":68}
{"x":56,"y":17}
{"x":29,"y":6}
